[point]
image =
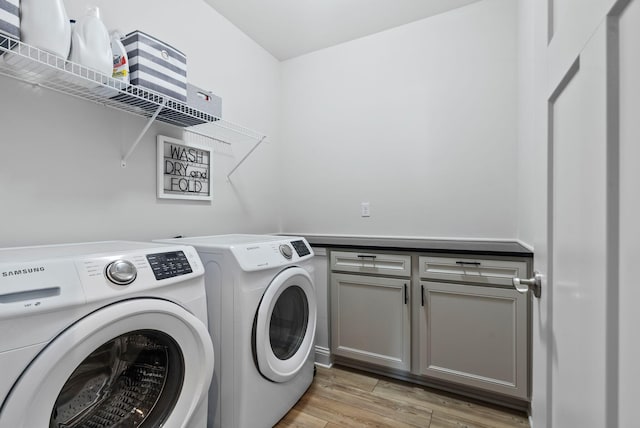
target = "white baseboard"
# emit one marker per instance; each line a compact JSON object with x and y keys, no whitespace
{"x":323,"y":357}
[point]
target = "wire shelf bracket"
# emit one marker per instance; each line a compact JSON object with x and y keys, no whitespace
{"x":244,"y":158}
{"x":123,"y":162}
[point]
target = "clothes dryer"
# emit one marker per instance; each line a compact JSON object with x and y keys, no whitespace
{"x":262,"y":318}
{"x":103,"y":334}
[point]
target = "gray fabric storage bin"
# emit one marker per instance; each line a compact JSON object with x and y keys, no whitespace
{"x":204,"y":101}
{"x":155,"y":65}
{"x":10,"y":18}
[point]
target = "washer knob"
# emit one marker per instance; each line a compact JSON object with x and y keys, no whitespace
{"x":286,"y":251}
{"x":121,"y":272}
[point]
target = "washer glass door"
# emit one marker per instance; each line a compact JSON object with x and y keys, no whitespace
{"x":136,"y":363}
{"x":285,"y":325}
{"x":133,"y":379}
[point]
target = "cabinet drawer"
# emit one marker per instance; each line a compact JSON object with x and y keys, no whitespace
{"x":483,"y":271}
{"x":374,"y":263}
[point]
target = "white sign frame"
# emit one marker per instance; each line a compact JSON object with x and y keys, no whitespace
{"x":180,"y":175}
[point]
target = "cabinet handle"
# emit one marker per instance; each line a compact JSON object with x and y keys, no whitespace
{"x":406,"y":294}
{"x":461,"y":263}
{"x":422,"y":293}
{"x":366,"y":256}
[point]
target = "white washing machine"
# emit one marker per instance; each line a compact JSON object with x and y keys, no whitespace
{"x":262,"y":318}
{"x":103,"y":334}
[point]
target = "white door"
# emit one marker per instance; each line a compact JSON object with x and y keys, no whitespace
{"x":285,"y":327}
{"x":139,"y":362}
{"x":586,"y":349}
{"x":577,"y":271}
{"x":581,"y":292}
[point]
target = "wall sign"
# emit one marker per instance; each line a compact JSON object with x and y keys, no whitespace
{"x":184,"y":171}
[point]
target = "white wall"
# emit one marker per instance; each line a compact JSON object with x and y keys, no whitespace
{"x":420,"y":121}
{"x":530,"y":132}
{"x":61,"y":179}
{"x":380,"y":119}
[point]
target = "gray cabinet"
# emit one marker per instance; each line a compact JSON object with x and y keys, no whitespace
{"x":474,"y":335}
{"x":473,"y":325}
{"x":370,"y":315}
{"x":466,"y":325}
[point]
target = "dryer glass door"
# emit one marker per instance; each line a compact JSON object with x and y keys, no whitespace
{"x":285,"y":325}
{"x":288,"y":323}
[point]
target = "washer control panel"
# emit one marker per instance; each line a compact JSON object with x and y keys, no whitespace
{"x":169,"y":265}
{"x":121,"y":272}
{"x":45,"y":279}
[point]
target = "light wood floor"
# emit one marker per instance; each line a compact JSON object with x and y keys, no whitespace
{"x":342,"y":397}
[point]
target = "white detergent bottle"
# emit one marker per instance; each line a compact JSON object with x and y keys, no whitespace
{"x":45,"y":25}
{"x":120,"y":58}
{"x":90,"y":43}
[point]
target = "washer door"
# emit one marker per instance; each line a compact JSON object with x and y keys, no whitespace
{"x":137,"y":363}
{"x":285,"y":327}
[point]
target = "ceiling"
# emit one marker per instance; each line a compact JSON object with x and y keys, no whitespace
{"x":289,"y":28}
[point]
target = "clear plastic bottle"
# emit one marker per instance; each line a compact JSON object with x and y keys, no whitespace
{"x":45,"y":25}
{"x":90,"y":43}
{"x":120,"y":58}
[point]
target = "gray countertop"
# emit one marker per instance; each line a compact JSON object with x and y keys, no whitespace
{"x":505,"y":248}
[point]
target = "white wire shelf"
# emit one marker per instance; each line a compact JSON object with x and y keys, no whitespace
{"x":29,"y":64}
{"x":32,"y":65}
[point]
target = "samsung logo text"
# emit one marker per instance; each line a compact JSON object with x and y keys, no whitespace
{"x":23,"y":271}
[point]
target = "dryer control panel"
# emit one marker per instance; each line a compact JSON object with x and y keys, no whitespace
{"x":270,"y":254}
{"x":301,"y":248}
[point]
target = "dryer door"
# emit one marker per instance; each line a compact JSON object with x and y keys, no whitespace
{"x":137,"y":363}
{"x":285,"y":327}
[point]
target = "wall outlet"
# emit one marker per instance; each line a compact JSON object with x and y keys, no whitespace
{"x":365,"y":209}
